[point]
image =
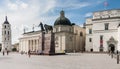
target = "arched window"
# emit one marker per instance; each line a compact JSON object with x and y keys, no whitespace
{"x":90,"y":39}
{"x":81,"y":34}
{"x":5,"y":26}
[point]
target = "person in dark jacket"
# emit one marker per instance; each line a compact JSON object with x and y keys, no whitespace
{"x":29,"y":53}
{"x":3,"y":53}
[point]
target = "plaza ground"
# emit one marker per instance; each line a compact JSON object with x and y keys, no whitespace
{"x":70,"y":61}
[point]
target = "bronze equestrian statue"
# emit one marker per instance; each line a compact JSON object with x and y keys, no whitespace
{"x":48,"y":27}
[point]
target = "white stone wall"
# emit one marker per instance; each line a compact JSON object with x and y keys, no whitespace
{"x":88,"y":44}
{"x":97,"y":23}
{"x":99,"y":29}
{"x":118,"y":47}
{"x":106,"y":14}
{"x":106,"y":37}
{"x":100,"y":25}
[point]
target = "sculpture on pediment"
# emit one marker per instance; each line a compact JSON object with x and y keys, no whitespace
{"x":41,"y":25}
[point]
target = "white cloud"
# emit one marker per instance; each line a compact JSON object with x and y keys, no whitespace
{"x":88,"y":14}
{"x":25,"y":13}
{"x":24,"y":5}
{"x":73,"y":5}
{"x":12,"y":6}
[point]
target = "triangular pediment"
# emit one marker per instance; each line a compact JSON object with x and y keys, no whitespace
{"x":112,"y":40}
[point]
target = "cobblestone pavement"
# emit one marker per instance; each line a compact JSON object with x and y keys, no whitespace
{"x":70,"y":61}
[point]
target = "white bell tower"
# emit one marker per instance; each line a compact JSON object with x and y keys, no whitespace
{"x":6,"y":35}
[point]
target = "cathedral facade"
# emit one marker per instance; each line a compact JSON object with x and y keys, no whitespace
{"x":68,"y":37}
{"x":30,"y":41}
{"x":103,"y":31}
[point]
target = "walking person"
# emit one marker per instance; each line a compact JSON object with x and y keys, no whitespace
{"x":29,"y":53}
{"x":7,"y":52}
{"x":3,"y":53}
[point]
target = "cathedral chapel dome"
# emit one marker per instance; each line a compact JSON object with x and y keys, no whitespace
{"x":62,"y":20}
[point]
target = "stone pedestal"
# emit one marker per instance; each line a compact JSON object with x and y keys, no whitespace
{"x":48,"y":46}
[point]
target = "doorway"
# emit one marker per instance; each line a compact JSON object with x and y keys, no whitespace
{"x":112,"y":48}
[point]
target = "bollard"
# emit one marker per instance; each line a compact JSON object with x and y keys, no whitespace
{"x":109,"y":53}
{"x":118,"y":59}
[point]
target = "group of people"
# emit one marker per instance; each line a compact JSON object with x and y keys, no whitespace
{"x":29,"y":53}
{"x":6,"y":52}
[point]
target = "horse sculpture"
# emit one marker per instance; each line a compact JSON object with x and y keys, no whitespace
{"x":48,"y":27}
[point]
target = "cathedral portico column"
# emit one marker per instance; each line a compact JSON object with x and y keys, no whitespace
{"x":31,"y":45}
{"x":28,"y":44}
{"x":37,"y":45}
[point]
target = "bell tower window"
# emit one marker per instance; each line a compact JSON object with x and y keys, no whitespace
{"x":5,"y":32}
{"x":5,"y":26}
{"x":8,"y":32}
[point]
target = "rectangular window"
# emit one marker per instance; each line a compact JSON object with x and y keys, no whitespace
{"x":101,"y":40}
{"x":5,"y":26}
{"x":90,"y":31}
{"x":5,"y":32}
{"x":106,"y":26}
{"x":101,"y":43}
{"x":101,"y":37}
{"x":81,"y":34}
{"x":90,"y":39}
